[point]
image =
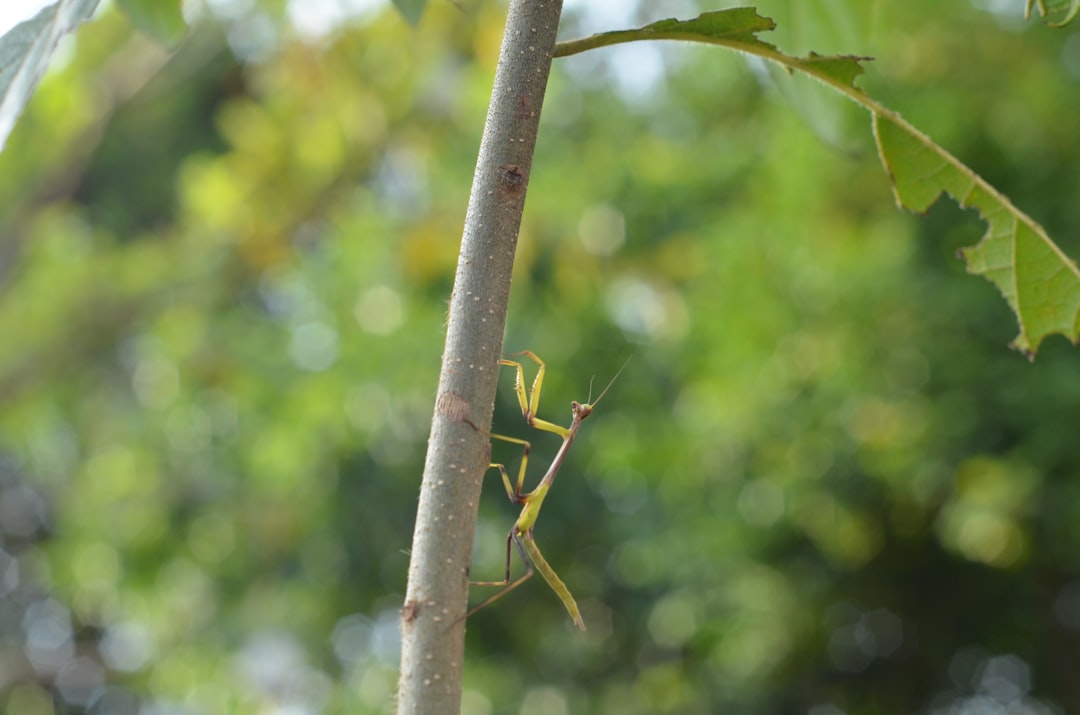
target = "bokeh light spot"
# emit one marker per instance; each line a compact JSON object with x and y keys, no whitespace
{"x":126,"y":646}
{"x":313,"y":346}
{"x":544,"y":701}
{"x":49,"y":644}
{"x":761,"y":503}
{"x":29,"y":699}
{"x":379,"y":310}
{"x":211,"y":538}
{"x":602,"y":230}
{"x":673,"y":621}
{"x":351,"y":640}
{"x":80,"y":681}
{"x":96,"y":567}
{"x":646,"y":312}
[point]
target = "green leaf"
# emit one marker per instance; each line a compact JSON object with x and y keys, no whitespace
{"x":160,"y":19}
{"x":1040,"y":283}
{"x":411,"y":10}
{"x":25,"y":52}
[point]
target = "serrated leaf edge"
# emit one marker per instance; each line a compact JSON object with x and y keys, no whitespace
{"x":810,"y":66}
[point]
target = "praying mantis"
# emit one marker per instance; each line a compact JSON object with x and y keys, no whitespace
{"x":521,"y":534}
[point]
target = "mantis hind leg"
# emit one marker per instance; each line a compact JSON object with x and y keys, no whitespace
{"x":530,"y":554}
{"x":507,"y":584}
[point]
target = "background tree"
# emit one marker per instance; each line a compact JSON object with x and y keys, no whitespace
{"x":823,"y":485}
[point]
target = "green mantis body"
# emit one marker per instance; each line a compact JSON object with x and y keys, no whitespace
{"x":521,"y":534}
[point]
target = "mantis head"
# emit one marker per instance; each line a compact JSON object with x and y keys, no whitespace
{"x":582,"y":410}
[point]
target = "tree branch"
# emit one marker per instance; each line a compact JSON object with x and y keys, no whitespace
{"x":458,"y":453}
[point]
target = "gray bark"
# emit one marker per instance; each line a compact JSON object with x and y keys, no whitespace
{"x":433,"y":635}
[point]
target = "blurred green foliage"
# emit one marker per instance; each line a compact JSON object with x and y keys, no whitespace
{"x":822,"y":486}
{"x":162,"y":20}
